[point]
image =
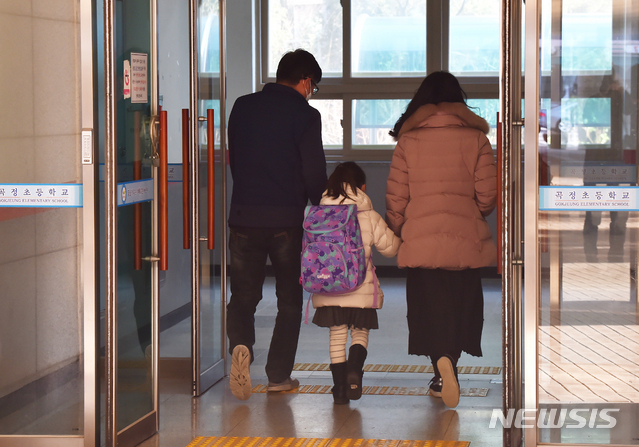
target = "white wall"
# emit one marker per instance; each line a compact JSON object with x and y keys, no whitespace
{"x":39,"y":143}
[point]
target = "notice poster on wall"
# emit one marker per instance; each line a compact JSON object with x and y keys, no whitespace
{"x":139,"y":83}
{"x":126,"y":81}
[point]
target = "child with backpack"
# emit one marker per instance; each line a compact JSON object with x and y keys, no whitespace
{"x":357,"y":309}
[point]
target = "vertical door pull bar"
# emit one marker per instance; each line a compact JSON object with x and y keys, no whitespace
{"x":210,"y":143}
{"x":163,"y":193}
{"x":186,"y":217}
{"x":499,"y":198}
{"x":137,"y":175}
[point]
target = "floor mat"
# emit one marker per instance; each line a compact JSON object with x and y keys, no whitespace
{"x":229,"y":441}
{"x":494,"y":370}
{"x":378,"y":390}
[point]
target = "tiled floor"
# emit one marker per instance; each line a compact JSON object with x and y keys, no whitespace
{"x":401,"y":417}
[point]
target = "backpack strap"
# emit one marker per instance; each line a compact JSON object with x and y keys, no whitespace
{"x":375,"y":281}
{"x":308,"y":302}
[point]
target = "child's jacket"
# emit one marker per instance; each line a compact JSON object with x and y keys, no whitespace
{"x":374,"y":232}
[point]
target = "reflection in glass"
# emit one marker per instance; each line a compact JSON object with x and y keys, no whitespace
{"x":314,"y":26}
{"x":588,"y":332}
{"x":585,"y":32}
{"x":388,"y":39}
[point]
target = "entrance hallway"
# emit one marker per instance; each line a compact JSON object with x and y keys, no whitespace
{"x":300,"y":415}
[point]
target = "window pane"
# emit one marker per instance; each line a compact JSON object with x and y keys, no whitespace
{"x":474,"y":37}
{"x":585,"y":35}
{"x":373,"y":119}
{"x":389,"y":38}
{"x":487,"y":109}
{"x":314,"y":25}
{"x":332,"y":113}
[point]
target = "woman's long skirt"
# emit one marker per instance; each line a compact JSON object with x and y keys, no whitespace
{"x":445,"y":312}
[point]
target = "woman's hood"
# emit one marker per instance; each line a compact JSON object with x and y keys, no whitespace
{"x":457,"y":109}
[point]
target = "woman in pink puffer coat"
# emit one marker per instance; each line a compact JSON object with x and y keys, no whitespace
{"x":442,"y":184}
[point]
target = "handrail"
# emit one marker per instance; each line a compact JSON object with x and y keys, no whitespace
{"x":186,"y":217}
{"x":210,"y":143}
{"x":163,"y":193}
{"x":137,"y":208}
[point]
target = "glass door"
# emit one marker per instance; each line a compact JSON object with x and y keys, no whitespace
{"x":581,"y":203}
{"x":192,"y":307}
{"x":134,"y":174}
{"x":208,"y":177}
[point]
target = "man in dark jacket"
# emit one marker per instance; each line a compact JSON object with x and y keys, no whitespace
{"x":278,"y":165}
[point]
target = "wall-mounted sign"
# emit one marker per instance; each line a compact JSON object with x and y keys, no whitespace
{"x":588,"y":198}
{"x":135,"y":192}
{"x":139,"y":83}
{"x":41,"y":195}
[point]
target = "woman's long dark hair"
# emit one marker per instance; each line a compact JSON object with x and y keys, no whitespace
{"x":439,"y":86}
{"x":348,"y":173}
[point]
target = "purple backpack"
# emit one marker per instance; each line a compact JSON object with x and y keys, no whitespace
{"x":333,"y":259}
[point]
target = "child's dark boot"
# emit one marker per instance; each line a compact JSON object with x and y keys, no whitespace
{"x":356,"y":359}
{"x":339,"y":383}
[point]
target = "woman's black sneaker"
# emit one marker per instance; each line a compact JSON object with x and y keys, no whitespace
{"x":435,"y":386}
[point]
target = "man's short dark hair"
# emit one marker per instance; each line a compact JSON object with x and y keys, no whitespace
{"x":297,"y":65}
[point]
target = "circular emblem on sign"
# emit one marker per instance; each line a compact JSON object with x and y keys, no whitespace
{"x":123,"y":194}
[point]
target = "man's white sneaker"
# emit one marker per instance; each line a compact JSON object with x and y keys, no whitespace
{"x":288,"y":385}
{"x":240,"y":378}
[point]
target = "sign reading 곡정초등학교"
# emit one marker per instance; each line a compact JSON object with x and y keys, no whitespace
{"x":588,"y":198}
{"x":41,"y":195}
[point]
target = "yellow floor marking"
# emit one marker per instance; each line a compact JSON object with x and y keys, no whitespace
{"x":493,"y":370}
{"x":376,"y":390}
{"x":214,"y":441}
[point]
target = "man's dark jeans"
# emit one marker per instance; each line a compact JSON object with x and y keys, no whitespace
{"x":249,"y":248}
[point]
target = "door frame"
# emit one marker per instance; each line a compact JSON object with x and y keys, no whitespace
{"x":531,"y":207}
{"x":511,"y":213}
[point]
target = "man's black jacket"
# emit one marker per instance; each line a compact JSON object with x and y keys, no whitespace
{"x":276,"y":157}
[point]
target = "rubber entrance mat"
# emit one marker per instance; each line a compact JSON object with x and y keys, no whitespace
{"x":225,"y":441}
{"x":378,"y":390}
{"x":402,"y":368}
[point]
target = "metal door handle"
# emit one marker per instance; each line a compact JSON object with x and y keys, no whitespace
{"x":499,"y":199}
{"x":211,"y":168}
{"x":186,"y":217}
{"x":137,"y":175}
{"x":163,"y":193}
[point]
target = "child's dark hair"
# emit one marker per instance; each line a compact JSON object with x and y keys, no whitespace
{"x":347,"y":173}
